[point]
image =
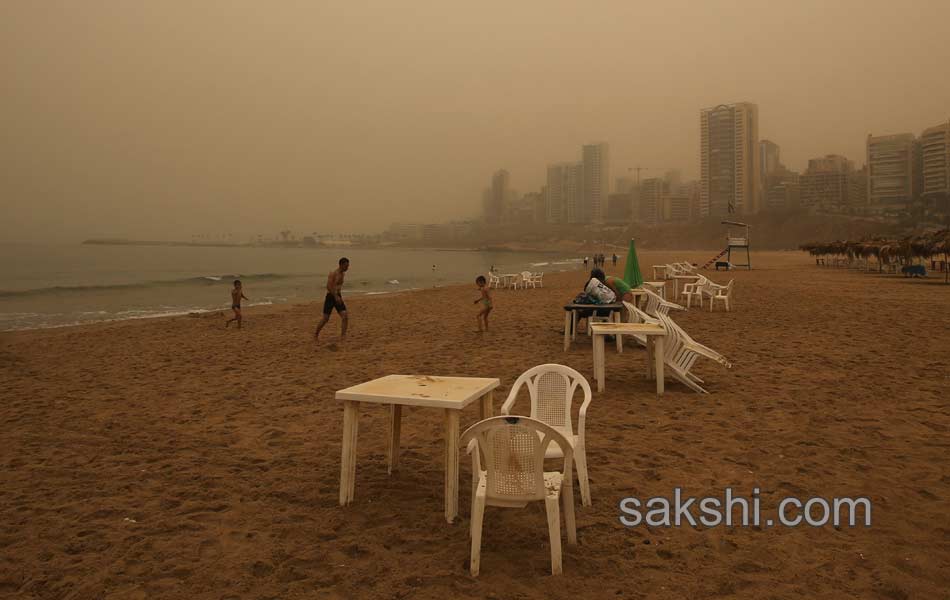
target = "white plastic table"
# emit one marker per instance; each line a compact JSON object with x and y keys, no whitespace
{"x":451,"y":394}
{"x":570,"y":318}
{"x":508,"y":279}
{"x":655,"y":335}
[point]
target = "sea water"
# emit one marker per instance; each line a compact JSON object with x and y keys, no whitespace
{"x":59,"y":285}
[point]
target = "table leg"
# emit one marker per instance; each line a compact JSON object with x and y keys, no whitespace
{"x":485,"y":409}
{"x":573,"y":325}
{"x":658,"y":353}
{"x":567,"y":329}
{"x":348,"y":459}
{"x":650,"y":352}
{"x":451,"y":464}
{"x":619,"y":337}
{"x":395,"y":425}
{"x":599,"y":367}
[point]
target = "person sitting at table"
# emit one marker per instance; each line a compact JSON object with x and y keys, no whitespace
{"x":618,"y":286}
{"x":597,"y":293}
{"x":598,"y":289}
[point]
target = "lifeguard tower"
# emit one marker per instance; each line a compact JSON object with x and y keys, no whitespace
{"x":739,"y":241}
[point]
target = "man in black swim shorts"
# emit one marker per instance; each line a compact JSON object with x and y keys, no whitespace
{"x":334,"y":299}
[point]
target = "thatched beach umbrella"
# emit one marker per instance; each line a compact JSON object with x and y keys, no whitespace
{"x":940,"y":244}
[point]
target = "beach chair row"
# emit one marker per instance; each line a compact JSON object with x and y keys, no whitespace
{"x":523,"y":280}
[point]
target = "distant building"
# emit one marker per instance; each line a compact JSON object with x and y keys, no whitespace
{"x":497,"y":196}
{"x":596,"y":161}
{"x":524,"y":209}
{"x":618,"y":207}
{"x":694,"y":188}
{"x":729,"y":159}
{"x":784,"y":195}
{"x":565,"y":188}
{"x":769,"y":164}
{"x":891,"y":173}
{"x":829,"y":184}
{"x":675,"y":207}
{"x":624,"y":185}
{"x":652,"y":193}
{"x":405,"y":232}
{"x":540,"y":205}
{"x":935,"y":167}
{"x":781,"y":191}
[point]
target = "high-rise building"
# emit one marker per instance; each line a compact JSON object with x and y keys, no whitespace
{"x":691,"y":189}
{"x":769,"y":164}
{"x":498,"y":196}
{"x":935,"y":166}
{"x":596,"y":160}
{"x":541,"y":205}
{"x":652,"y":193}
{"x":565,"y":188}
{"x":891,"y":172}
{"x":769,"y":156}
{"x":729,"y":159}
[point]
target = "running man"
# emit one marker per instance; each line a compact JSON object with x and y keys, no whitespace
{"x":334,"y":299}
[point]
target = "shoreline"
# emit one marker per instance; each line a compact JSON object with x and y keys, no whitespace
{"x":264,"y":308}
{"x":224,"y":307}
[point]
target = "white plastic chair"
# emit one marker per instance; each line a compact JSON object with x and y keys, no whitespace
{"x":719,"y":292}
{"x":681,"y":352}
{"x":694,"y":290}
{"x":635,"y":315}
{"x":551,"y":389}
{"x":538,"y":279}
{"x":494,"y":281}
{"x":508,"y":471}
{"x":659,"y":290}
{"x":655,"y":303}
{"x":527,"y":278}
{"x":686,"y":267}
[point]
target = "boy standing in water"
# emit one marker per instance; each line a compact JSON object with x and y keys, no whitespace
{"x":334,"y":299}
{"x":237,"y":293}
{"x":485,"y":299}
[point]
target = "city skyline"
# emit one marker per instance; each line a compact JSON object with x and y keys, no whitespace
{"x":741,"y":173}
{"x":161,"y":120}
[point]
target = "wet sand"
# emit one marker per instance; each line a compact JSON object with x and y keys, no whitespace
{"x":171,"y":458}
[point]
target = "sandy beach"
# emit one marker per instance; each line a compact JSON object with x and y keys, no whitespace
{"x":171,"y":458}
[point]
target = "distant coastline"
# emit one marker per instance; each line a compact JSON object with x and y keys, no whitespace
{"x":322,"y":246}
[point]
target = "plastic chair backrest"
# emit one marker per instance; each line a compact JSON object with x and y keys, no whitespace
{"x":551,"y":388}
{"x":511,"y":451}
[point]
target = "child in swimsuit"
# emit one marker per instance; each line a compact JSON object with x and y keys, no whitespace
{"x":485,"y":300}
{"x":237,"y":293}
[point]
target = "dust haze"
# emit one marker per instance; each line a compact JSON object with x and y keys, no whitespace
{"x":161,"y":120}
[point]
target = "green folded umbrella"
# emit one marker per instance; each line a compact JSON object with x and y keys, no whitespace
{"x":631,"y":273}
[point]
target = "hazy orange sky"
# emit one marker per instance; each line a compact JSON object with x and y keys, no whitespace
{"x":165,"y":119}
